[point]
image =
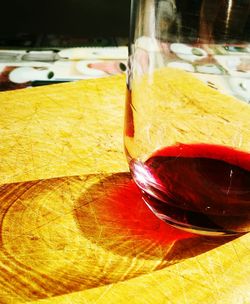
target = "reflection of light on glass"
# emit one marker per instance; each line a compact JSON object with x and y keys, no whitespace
{"x":142,"y":175}
{"x":230,"y":3}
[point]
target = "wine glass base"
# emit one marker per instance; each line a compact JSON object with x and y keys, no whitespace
{"x":191,"y":228}
{"x":200,"y":231}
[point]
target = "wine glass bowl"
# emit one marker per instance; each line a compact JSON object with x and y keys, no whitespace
{"x":187,"y":126}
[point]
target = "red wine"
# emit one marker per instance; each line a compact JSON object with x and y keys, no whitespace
{"x":199,"y":186}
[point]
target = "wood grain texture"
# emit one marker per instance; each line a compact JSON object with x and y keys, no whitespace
{"x":67,"y":129}
{"x":73,"y":226}
{"x":78,"y":234}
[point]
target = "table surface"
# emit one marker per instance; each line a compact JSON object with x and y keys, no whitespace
{"x":73,"y":226}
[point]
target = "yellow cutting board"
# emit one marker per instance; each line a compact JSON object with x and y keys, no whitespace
{"x":73,"y":226}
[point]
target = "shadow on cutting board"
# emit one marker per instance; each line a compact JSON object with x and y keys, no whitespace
{"x":69,"y":234}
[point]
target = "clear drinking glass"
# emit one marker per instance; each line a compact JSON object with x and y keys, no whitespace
{"x":187,"y":120}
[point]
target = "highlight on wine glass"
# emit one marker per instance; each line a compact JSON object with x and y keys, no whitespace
{"x":187,"y":120}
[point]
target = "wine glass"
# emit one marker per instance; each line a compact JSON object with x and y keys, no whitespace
{"x":187,"y":120}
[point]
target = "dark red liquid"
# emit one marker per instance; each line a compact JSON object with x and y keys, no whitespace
{"x":200,"y":186}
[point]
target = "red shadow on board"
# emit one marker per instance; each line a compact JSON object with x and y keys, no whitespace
{"x":113,"y":215}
